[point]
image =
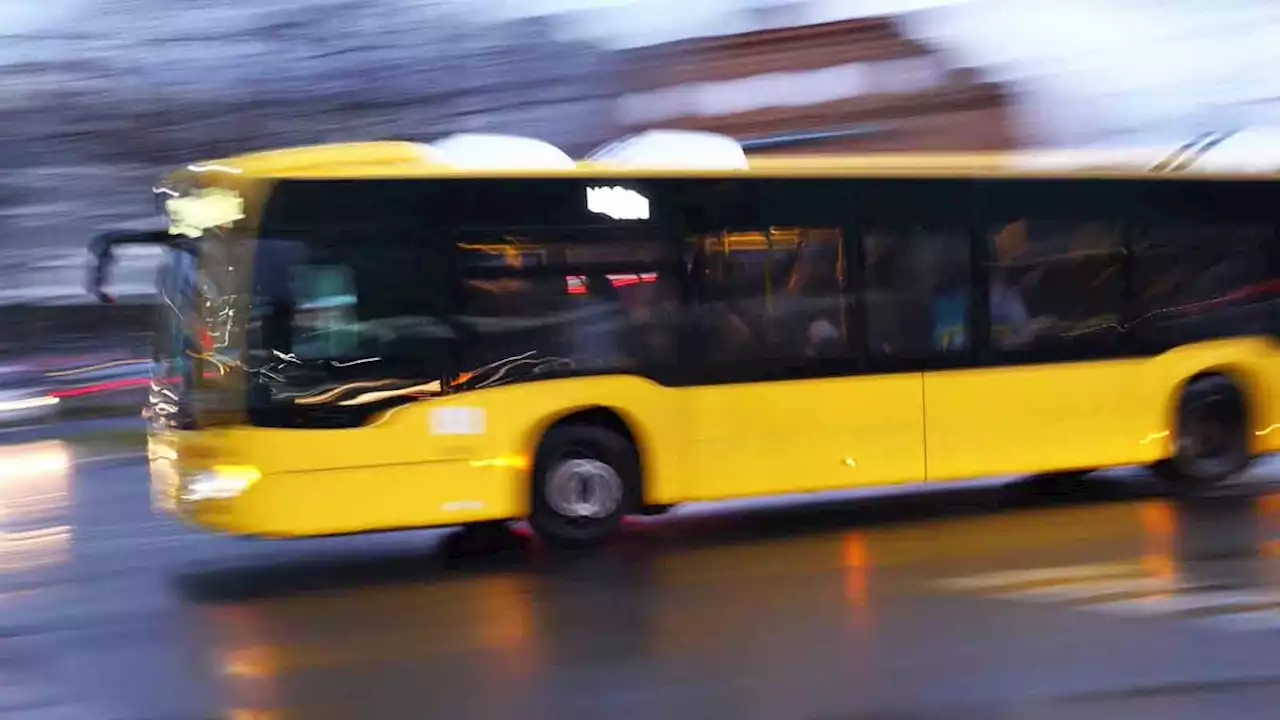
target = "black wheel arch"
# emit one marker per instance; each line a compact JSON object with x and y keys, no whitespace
{"x":1190,"y":475}
{"x":1237,"y":377}
{"x":599,"y":416}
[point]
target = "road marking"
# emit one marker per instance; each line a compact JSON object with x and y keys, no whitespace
{"x":1254,"y":620}
{"x":1125,"y":590}
{"x":1169,"y":604}
{"x":1010,"y":579}
{"x":1092,"y":590}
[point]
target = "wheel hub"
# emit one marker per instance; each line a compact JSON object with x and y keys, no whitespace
{"x":584,"y":488}
{"x":1210,"y":430}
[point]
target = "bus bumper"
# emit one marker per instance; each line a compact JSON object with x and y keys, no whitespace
{"x":239,"y":500}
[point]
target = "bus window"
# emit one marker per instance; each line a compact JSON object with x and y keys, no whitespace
{"x":1198,"y":280}
{"x":497,"y":250}
{"x":325,"y":324}
{"x":916,"y":290}
{"x":328,"y":300}
{"x":1056,"y":285}
{"x":775,"y":293}
{"x":347,"y":288}
{"x":568,"y":300}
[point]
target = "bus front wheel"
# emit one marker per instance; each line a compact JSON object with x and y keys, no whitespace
{"x":585,"y":479}
{"x":1211,"y":443}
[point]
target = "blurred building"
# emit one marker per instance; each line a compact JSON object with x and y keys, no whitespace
{"x":850,"y":86}
{"x":95,"y":114}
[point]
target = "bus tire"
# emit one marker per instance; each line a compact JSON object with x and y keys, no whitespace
{"x":585,"y":479}
{"x":1211,"y":438}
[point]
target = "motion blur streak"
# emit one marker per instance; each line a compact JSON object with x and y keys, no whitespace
{"x":27,"y":404}
{"x":104,"y":387}
{"x":97,"y":368}
{"x":34,"y":498}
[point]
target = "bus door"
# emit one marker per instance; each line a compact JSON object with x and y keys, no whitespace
{"x":1058,"y":387}
{"x":784,"y":406}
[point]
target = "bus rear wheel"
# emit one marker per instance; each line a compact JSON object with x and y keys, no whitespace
{"x":1211,"y":442}
{"x":585,"y":479}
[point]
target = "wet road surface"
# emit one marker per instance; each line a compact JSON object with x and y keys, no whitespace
{"x":987,"y":601}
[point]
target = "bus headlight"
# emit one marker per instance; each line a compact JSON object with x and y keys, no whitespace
{"x":222,"y":482}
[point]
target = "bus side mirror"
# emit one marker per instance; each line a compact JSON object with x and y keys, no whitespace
{"x":102,"y":256}
{"x":100,"y":262}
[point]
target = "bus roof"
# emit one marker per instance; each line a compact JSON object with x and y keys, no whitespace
{"x":499,"y":156}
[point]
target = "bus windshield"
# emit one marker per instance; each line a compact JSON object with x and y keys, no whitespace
{"x":334,"y":309}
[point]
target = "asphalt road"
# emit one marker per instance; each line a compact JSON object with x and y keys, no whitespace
{"x":987,"y":601}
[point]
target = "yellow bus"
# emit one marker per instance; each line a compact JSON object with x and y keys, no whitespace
{"x":380,"y":336}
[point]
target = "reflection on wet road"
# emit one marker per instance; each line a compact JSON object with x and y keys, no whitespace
{"x":1103,"y":600}
{"x":35,"y":487}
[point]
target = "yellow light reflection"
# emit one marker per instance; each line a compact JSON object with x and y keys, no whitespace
{"x":329,"y":395}
{"x":34,"y":498}
{"x":248,"y":665}
{"x":856,"y":569}
{"x":251,"y":662}
{"x":366,"y":398}
{"x":1269,"y":572}
{"x":256,"y":648}
{"x":507,"y":623}
{"x":1160,"y":527}
{"x":515,"y":462}
{"x":1268,"y":505}
{"x":242,"y":714}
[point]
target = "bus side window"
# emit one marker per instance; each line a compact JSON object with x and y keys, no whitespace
{"x":1056,"y":285}
{"x":774,"y":293}
{"x":1198,"y":280}
{"x":916,"y":290}
{"x":581,"y":299}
